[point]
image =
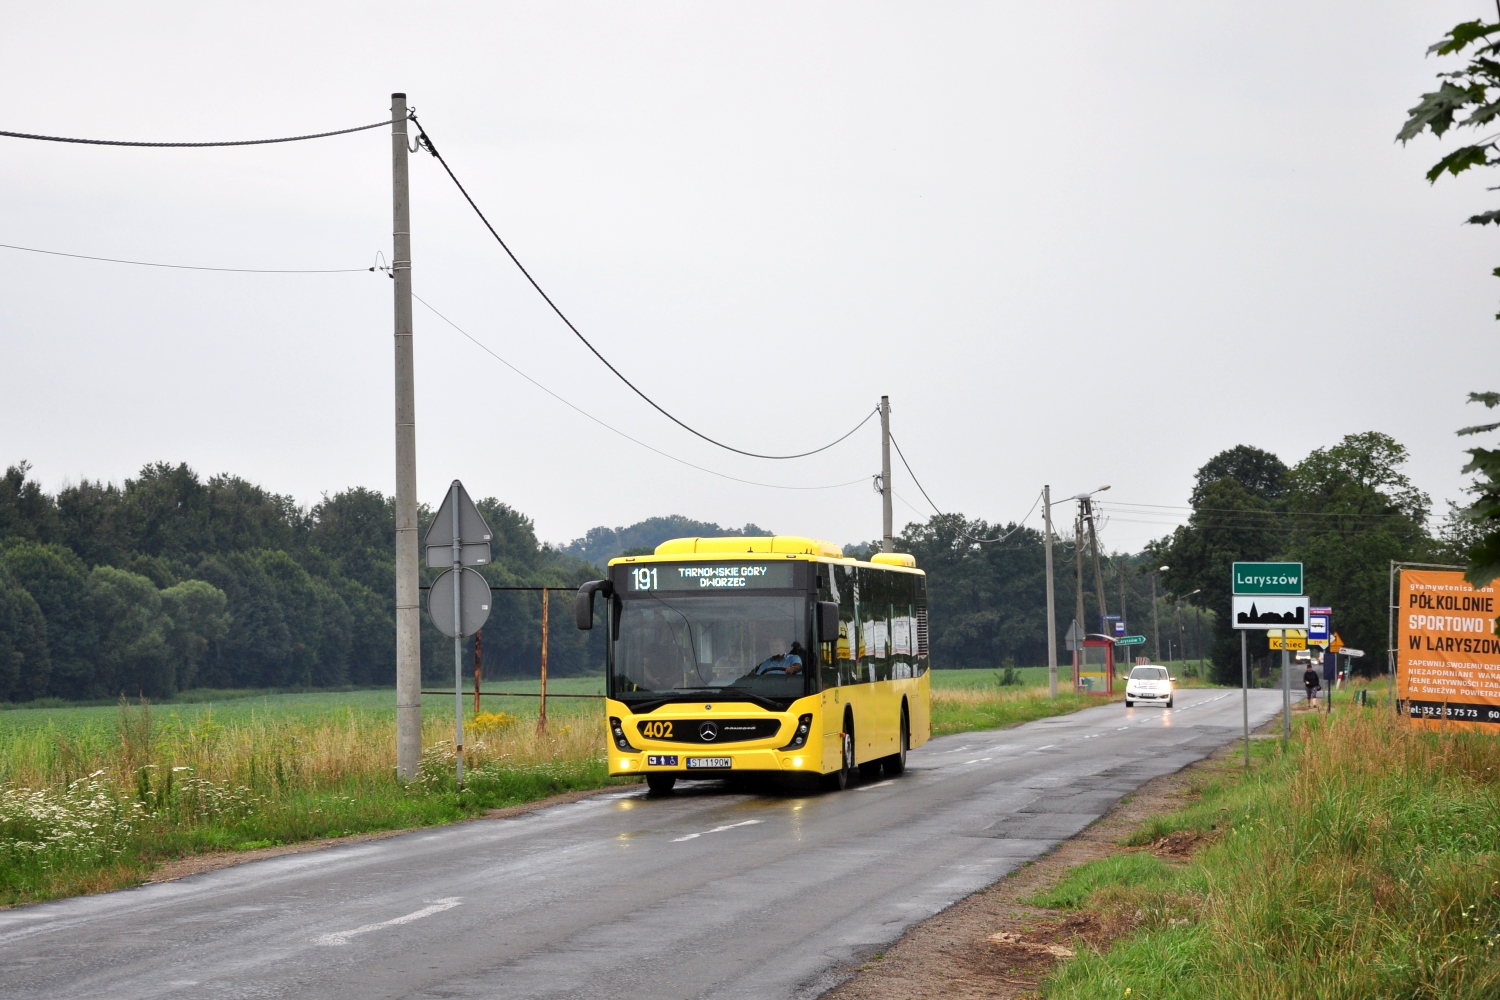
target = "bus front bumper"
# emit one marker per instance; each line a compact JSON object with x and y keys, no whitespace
{"x":700,"y":763}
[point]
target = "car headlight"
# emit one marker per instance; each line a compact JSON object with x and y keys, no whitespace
{"x":618,"y":731}
{"x":804,"y":730}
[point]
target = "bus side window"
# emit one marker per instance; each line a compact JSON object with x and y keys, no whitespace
{"x":875,"y":625}
{"x":849,"y":611}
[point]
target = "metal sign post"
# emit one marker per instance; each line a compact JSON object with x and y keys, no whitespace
{"x":1245,"y":694}
{"x":458,"y":538}
{"x":1269,"y":597}
{"x":1286,"y":697}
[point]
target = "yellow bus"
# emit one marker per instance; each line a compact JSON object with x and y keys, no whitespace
{"x":752,"y":656}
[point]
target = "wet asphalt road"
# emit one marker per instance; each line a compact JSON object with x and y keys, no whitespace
{"x":706,"y":893}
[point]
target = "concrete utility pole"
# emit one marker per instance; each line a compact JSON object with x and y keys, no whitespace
{"x":888,"y":543}
{"x":408,"y":609}
{"x":458,"y":640}
{"x":1051,"y":610}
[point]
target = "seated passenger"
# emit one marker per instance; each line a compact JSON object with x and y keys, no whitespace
{"x":780,"y":661}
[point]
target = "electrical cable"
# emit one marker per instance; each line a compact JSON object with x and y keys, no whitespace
{"x":199,"y":145}
{"x":193,"y":267}
{"x":979,"y":541}
{"x":426,"y":141}
{"x":615,"y":430}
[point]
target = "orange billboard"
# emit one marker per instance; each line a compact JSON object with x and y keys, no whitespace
{"x":1448,"y":656}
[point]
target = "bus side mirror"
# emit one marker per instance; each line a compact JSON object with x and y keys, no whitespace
{"x":583,"y":604}
{"x":828,"y":621}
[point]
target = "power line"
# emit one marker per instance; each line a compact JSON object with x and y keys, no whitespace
{"x":980,"y":541}
{"x":578,"y":409}
{"x":426,"y":142}
{"x":193,"y":267}
{"x":198,"y":145}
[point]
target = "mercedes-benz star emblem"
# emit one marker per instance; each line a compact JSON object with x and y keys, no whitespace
{"x":708,"y":732}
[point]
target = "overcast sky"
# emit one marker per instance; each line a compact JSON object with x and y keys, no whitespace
{"x":1076,"y":243}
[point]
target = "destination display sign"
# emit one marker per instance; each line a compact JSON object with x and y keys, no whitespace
{"x":1447,"y":653}
{"x":1269,"y":612}
{"x":710,"y":576}
{"x":1283,"y":578}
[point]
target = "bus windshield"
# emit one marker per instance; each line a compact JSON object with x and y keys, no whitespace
{"x":671,"y":646}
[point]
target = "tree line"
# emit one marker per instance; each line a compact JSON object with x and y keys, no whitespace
{"x":171,"y":581}
{"x":1344,"y":511}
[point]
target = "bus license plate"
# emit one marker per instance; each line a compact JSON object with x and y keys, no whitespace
{"x":719,"y":762}
{"x":661,"y":760}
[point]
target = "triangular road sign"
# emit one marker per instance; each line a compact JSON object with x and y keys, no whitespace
{"x":473,"y":533}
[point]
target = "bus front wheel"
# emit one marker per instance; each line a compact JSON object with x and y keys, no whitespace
{"x":839,"y":780}
{"x":660,"y":784}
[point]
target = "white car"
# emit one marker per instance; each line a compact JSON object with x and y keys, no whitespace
{"x":1149,"y":684}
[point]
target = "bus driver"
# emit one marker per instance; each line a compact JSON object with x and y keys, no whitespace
{"x":781,"y":661}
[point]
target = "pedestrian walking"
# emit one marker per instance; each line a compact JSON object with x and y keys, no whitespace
{"x":1310,"y":681}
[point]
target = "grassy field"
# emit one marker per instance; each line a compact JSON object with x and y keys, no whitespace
{"x":95,"y":797}
{"x":966,"y":700}
{"x":1363,"y":862}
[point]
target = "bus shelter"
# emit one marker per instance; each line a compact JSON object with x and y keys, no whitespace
{"x":1094,"y":666}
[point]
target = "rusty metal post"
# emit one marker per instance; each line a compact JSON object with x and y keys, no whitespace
{"x":541,"y":722}
{"x":478,"y":666}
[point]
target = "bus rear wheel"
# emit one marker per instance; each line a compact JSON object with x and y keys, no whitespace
{"x":896,"y":763}
{"x":660,"y":784}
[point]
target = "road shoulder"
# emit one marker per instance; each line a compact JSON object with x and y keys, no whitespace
{"x":198,"y":864}
{"x":995,"y":944}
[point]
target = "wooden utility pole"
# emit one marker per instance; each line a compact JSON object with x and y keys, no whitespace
{"x":1081,"y":631}
{"x":541,"y":722}
{"x":1088,"y":506}
{"x":478,"y":667}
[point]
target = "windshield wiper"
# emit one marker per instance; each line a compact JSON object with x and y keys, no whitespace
{"x":657,"y":699}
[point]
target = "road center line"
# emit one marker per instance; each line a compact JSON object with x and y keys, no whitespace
{"x":342,"y":937}
{"x":717,"y":829}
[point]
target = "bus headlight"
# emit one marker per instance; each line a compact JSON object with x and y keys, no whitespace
{"x":804,"y":730}
{"x":618,"y":732}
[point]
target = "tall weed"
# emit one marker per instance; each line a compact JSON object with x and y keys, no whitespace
{"x":1364,"y":862}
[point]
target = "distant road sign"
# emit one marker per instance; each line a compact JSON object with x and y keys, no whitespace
{"x":1351,"y":651}
{"x":1319,"y":624}
{"x":476,"y":603}
{"x":474,"y":534}
{"x":1283,"y":578}
{"x":1269,"y":612}
{"x":1072,"y":639}
{"x":1291,"y":638}
{"x":1130,"y":640}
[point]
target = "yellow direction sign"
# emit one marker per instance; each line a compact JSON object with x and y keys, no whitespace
{"x":1335,"y":644}
{"x":1296,"y":638}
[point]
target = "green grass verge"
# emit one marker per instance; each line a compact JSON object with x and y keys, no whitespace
{"x":1362,"y":862}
